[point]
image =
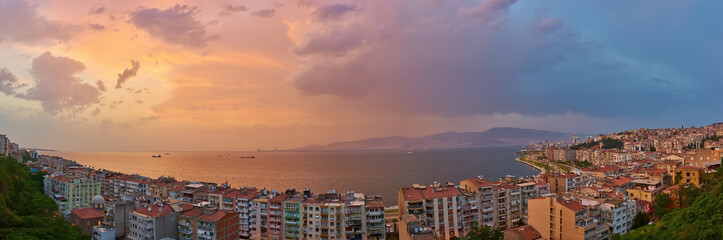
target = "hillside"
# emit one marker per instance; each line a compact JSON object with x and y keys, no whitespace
{"x":492,"y":137}
{"x":702,"y":220}
{"x":25,"y":213}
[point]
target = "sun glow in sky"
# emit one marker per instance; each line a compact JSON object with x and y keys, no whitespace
{"x":241,"y":75}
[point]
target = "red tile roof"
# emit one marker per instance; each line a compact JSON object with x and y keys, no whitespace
{"x":87,"y":213}
{"x":571,"y":204}
{"x":603,"y":169}
{"x":155,"y":210}
{"x":527,"y":232}
{"x":248,"y":193}
{"x":621,"y":181}
{"x":688,"y":168}
{"x":480,"y":182}
{"x":193,"y":213}
{"x":215,"y":217}
{"x":413,"y":194}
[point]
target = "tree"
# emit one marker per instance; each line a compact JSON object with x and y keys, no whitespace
{"x":641,"y":219}
{"x":25,"y":212}
{"x":660,"y":205}
{"x":483,"y":232}
{"x":689,"y":193}
{"x":678,"y":177}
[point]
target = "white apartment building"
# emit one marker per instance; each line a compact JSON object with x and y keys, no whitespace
{"x":436,"y":206}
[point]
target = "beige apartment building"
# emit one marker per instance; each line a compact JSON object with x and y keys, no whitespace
{"x":564,"y":219}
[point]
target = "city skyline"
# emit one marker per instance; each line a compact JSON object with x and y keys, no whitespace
{"x":227,"y":75}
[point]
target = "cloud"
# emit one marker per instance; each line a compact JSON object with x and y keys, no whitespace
{"x":486,"y":10}
{"x":547,"y":25}
{"x":57,"y":87}
{"x":97,"y":9}
{"x":96,"y":27}
{"x":127,"y":73}
{"x":100,"y":85}
{"x":235,"y":8}
{"x":333,"y":12}
{"x":20,"y":21}
{"x":176,"y":25}
{"x":424,"y":64}
{"x":267,"y":13}
{"x":9,"y":82}
{"x":335,"y":40}
{"x":95,"y":112}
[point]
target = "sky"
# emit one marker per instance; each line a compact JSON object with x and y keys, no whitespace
{"x":240,"y":75}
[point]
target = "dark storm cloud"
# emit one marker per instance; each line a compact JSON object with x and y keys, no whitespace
{"x":57,"y":87}
{"x":464,"y":61}
{"x":174,"y":25}
{"x":127,"y":73}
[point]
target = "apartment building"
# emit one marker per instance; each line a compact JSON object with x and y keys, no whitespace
{"x":71,"y":192}
{"x":260,"y":216}
{"x":436,"y":206}
{"x":561,"y":183}
{"x":88,"y":218}
{"x":4,"y":145}
{"x":689,"y":175}
{"x":375,"y":218}
{"x":618,"y":214}
{"x":243,"y":208}
{"x":292,"y":217}
{"x":276,"y":216}
{"x":564,"y":155}
{"x":155,"y":221}
{"x":208,"y":223}
{"x":645,"y":189}
{"x":500,"y":203}
{"x":564,"y":219}
{"x":410,"y":228}
{"x":323,"y":217}
{"x":115,"y":221}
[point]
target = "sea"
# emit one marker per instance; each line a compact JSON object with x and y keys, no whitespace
{"x":372,"y":173}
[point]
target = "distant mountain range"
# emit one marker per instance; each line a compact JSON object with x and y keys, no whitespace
{"x":500,"y":136}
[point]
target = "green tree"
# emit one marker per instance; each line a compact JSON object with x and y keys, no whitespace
{"x":483,"y":232}
{"x":678,"y":177}
{"x":641,"y":219}
{"x":660,"y":204}
{"x":25,"y":212}
{"x":689,"y":193}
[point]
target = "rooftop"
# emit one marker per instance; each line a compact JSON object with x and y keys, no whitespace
{"x":87,"y":213}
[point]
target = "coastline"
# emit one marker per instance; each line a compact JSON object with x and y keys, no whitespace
{"x":542,"y":170}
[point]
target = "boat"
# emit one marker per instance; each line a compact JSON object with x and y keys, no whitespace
{"x":157,"y":156}
{"x":218,"y":155}
{"x":167,"y":154}
{"x":248,"y":157}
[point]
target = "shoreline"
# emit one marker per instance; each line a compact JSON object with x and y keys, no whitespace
{"x":542,"y":170}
